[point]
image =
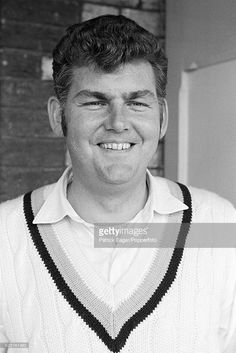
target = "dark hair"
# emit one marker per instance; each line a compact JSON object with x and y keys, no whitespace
{"x":106,"y":42}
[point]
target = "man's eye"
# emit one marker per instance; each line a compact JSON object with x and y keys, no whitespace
{"x":138,"y":104}
{"x":95,"y":103}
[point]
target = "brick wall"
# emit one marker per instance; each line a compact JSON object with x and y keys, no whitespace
{"x":30,"y":155}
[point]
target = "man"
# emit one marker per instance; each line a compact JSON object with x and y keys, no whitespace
{"x":62,"y":294}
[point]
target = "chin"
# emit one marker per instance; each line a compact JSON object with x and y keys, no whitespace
{"x":117,"y":174}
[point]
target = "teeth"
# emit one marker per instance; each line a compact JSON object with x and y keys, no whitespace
{"x":115,"y":146}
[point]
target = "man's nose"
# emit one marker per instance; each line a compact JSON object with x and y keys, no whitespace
{"x":117,"y":119}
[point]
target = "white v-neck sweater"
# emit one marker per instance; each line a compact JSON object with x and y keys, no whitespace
{"x":196,"y":312}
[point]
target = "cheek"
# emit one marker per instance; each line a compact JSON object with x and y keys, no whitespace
{"x":82,"y":125}
{"x":78,"y":130}
{"x":151,"y":130}
{"x":79,"y":141}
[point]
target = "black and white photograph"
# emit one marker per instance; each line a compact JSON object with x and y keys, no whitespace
{"x":118,"y":176}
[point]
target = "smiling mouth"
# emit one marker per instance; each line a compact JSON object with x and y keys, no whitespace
{"x":116,"y":146}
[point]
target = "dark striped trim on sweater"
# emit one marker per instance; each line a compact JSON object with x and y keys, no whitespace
{"x":116,"y":344}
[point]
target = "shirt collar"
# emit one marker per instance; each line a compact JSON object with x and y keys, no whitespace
{"x":57,"y":206}
{"x":162,"y":200}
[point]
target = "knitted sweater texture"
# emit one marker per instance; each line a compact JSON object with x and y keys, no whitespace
{"x":58,"y":307}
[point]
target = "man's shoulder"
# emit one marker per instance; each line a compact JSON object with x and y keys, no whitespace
{"x":204,"y":195}
{"x":15,"y":206}
{"x":210,"y":206}
{"x":207,"y":206}
{"x":208,"y":198}
{"x":199,"y":196}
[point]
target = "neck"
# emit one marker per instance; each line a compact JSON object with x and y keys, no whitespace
{"x":115,"y":203}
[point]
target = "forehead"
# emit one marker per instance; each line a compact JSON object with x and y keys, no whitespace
{"x":137,"y":75}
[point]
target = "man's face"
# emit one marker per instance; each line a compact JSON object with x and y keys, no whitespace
{"x":113,"y":122}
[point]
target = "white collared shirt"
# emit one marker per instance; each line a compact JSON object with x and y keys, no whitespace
{"x":109,"y":262}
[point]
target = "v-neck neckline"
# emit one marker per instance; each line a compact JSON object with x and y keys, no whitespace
{"x":113,"y":327}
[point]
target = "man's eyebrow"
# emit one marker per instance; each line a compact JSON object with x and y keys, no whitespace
{"x":127,"y":95}
{"x":91,"y":94}
{"x":139,"y":94}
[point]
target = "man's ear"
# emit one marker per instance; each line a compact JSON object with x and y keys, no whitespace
{"x":164,"y":118}
{"x":55,"y":115}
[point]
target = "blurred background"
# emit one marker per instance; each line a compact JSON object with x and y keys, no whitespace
{"x":199,"y":38}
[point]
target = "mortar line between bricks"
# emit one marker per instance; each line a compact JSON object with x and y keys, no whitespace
{"x":26,"y":138}
{"x":104,"y":4}
{"x":118,"y":7}
{"x":161,"y":12}
{"x":22,"y":106}
{"x":33,"y":139}
{"x":24,"y":79}
{"x":34,"y":24}
{"x":121,"y":7}
{"x":38,"y":108}
{"x":33,"y":168}
{"x":27,"y":79}
{"x":21,"y":50}
{"x":23,"y":109}
{"x":29,"y":51}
